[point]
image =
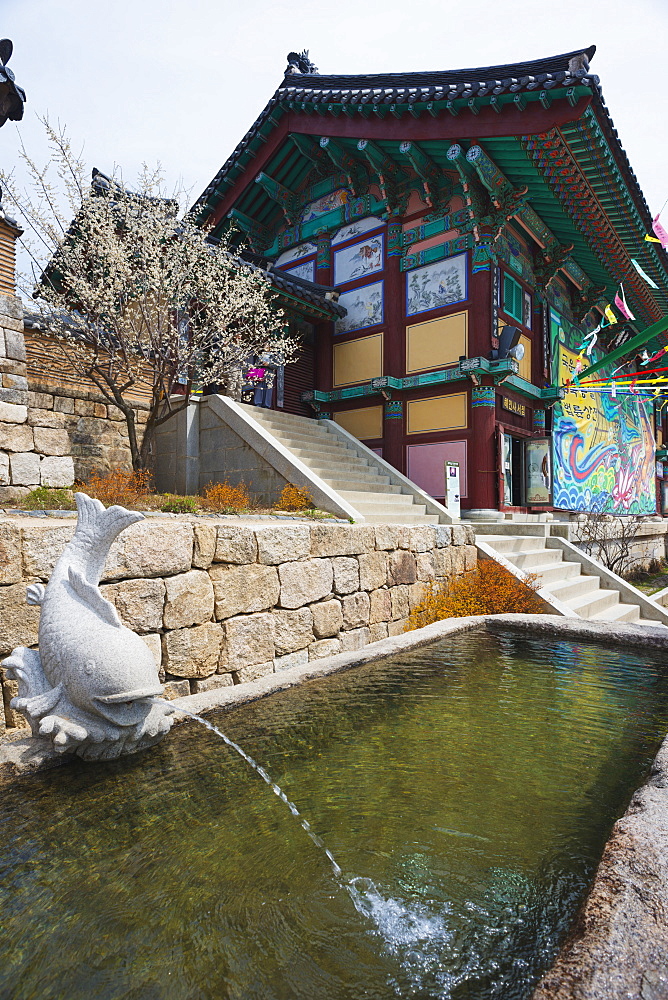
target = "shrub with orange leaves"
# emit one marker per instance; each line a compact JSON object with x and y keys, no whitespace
{"x":117,"y":487}
{"x":225,"y":498}
{"x":295,"y":498}
{"x":487,"y":590}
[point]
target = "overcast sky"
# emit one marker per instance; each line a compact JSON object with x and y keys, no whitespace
{"x":181,"y":83}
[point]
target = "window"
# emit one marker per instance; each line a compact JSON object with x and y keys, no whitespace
{"x":513,"y":298}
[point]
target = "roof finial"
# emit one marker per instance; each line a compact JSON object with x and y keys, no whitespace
{"x":299,"y":62}
{"x":12,"y":97}
{"x":578,"y":65}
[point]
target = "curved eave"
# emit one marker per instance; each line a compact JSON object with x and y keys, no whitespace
{"x":613,"y":190}
{"x":433,"y":94}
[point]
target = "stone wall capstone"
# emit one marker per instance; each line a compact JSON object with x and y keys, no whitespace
{"x":221,"y":603}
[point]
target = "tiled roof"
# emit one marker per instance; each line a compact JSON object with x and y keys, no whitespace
{"x":388,"y":87}
{"x":563,"y":71}
{"x":324,"y":297}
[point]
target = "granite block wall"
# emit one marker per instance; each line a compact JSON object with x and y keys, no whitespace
{"x":50,"y":434}
{"x":91,"y":433}
{"x":33,"y":451}
{"x":220,"y":602}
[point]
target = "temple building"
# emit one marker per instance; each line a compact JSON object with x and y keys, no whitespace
{"x":470,"y":227}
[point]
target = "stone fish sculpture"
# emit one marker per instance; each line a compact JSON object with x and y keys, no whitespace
{"x":93,"y":687}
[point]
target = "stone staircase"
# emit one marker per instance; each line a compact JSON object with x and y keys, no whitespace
{"x":590,"y":594}
{"x":346,"y":466}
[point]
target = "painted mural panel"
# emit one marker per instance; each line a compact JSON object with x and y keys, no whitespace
{"x":304,"y":270}
{"x":356,"y":229}
{"x":327,"y":203}
{"x":603,"y":448}
{"x":365,"y":308}
{"x":358,"y":260}
{"x":295,"y":253}
{"x":436,"y":285}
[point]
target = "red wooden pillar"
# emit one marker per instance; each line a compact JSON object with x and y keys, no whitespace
{"x":394,"y":344}
{"x":482,"y":450}
{"x":324,"y":331}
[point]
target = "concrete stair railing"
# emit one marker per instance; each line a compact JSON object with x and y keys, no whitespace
{"x":571,"y":583}
{"x":343,"y":476}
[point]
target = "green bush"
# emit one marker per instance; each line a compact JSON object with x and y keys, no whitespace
{"x":179,"y":505}
{"x":49,"y":498}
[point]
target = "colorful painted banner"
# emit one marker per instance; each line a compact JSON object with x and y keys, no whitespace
{"x":609,"y":315}
{"x":659,"y":231}
{"x":603,"y":448}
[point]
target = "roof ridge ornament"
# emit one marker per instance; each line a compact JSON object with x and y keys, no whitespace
{"x":578,"y":65}
{"x":12,"y":97}
{"x":299,"y":62}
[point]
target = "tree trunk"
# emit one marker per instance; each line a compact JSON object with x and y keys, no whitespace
{"x":146,"y":451}
{"x":135,"y":451}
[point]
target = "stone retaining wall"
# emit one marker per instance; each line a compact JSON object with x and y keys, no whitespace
{"x":221,"y":602}
{"x":51,"y":433}
{"x":33,"y":452}
{"x":82,"y":426}
{"x":649,"y":544}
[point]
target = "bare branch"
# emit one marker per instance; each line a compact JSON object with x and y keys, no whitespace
{"x":136,"y":295}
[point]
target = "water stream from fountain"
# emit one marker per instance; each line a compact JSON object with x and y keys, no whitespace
{"x":394,"y":921}
{"x":276,"y":789}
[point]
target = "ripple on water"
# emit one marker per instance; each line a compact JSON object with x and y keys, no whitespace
{"x":465,"y":790}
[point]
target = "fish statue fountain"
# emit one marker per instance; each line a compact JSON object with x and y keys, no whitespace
{"x":92,"y":688}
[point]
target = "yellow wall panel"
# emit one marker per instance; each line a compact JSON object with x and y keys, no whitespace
{"x":367,"y":422}
{"x":358,"y":360}
{"x":525,"y":363}
{"x":439,"y":413}
{"x":438,"y":342}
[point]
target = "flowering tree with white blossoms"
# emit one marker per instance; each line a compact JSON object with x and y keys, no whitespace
{"x":134,"y":293}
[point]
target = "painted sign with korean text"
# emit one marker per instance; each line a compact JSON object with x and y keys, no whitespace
{"x":603,"y":447}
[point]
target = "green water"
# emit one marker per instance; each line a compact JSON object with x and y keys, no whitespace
{"x":467,"y":789}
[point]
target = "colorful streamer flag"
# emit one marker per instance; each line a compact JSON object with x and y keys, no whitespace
{"x":643,"y":274}
{"x":589,"y":341}
{"x":620,"y":302}
{"x":660,"y":231}
{"x":609,"y":315}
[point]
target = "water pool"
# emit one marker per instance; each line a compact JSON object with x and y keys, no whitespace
{"x":466,"y":789}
